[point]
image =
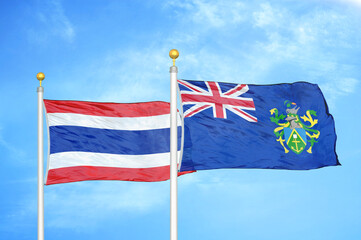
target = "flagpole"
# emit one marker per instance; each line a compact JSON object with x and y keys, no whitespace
{"x":40,"y":76}
{"x":173,"y":148}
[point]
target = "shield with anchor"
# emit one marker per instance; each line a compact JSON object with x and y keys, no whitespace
{"x":296,"y":139}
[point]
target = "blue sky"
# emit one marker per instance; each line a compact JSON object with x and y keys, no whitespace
{"x":118,"y":51}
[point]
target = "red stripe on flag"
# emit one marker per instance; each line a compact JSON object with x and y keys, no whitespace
{"x":84,"y":173}
{"x":188,"y":86}
{"x":246,"y":114}
{"x":238,"y":88}
{"x":197,"y":110}
{"x":145,"y":109}
{"x":216,"y":95}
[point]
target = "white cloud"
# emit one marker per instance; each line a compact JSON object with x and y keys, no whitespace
{"x":312,"y":42}
{"x":289,"y":46}
{"x":83,"y":205}
{"x":301,"y":40}
{"x":338,"y":87}
{"x":135,"y":76}
{"x":12,"y":150}
{"x":356,"y":3}
{"x":267,"y":16}
{"x":53,"y":22}
{"x":211,"y":13}
{"x":22,"y":215}
{"x":348,"y":85}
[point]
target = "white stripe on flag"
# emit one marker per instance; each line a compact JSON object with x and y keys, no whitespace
{"x":73,"y":159}
{"x":116,"y":123}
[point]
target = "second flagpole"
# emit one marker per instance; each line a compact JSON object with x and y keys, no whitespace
{"x":173,"y":148}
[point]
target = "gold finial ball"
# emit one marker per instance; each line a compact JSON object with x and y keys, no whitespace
{"x":173,"y":53}
{"x":40,"y":76}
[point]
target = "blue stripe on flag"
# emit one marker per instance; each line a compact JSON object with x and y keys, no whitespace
{"x":84,"y":139}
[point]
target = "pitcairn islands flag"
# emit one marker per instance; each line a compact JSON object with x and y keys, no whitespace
{"x":281,"y":126}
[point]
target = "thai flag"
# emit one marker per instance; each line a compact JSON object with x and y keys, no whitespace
{"x":108,"y":141}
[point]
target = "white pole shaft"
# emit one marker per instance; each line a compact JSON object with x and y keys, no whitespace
{"x":40,"y":91}
{"x":173,"y":155}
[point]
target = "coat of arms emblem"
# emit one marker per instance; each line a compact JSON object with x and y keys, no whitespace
{"x":291,"y":130}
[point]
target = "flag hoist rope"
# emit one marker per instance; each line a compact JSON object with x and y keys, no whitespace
{"x":40,"y":76}
{"x":173,"y":148}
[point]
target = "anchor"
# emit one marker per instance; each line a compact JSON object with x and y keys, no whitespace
{"x":298,"y":150}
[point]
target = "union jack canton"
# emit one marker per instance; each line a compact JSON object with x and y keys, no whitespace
{"x":212,"y":96}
